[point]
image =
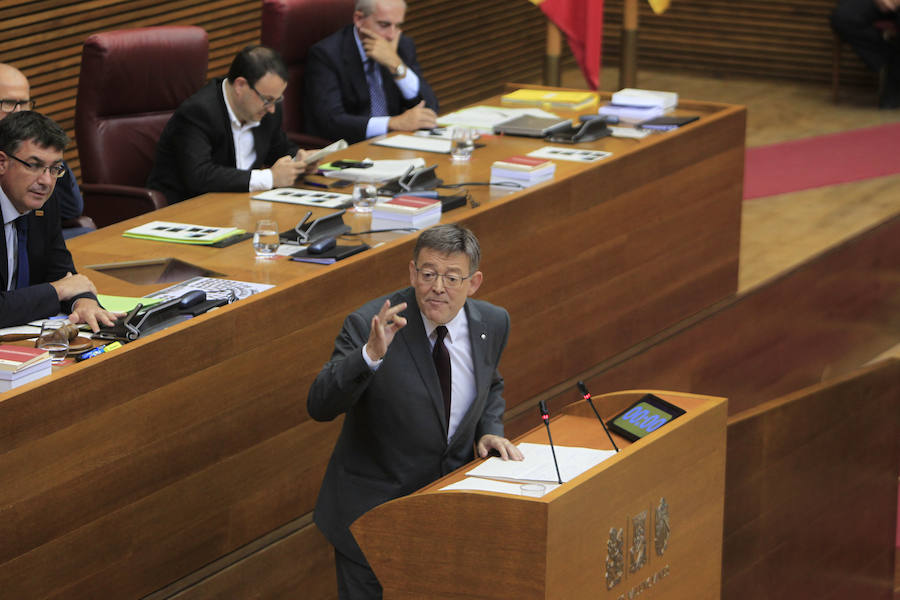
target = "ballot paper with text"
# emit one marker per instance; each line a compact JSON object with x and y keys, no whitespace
{"x":538,"y":465}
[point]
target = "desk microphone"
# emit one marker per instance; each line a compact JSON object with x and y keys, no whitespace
{"x":545,"y":416}
{"x":587,"y":396}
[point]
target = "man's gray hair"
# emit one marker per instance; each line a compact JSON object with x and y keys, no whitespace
{"x":450,"y":239}
{"x":367,"y":7}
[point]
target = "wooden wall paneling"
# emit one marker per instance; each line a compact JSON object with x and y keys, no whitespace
{"x":811,"y":491}
{"x":756,"y":38}
{"x":840,"y":308}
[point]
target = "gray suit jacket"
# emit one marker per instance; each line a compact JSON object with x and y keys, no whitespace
{"x":394,"y":437}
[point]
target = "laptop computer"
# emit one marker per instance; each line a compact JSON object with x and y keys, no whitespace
{"x":531,"y":126}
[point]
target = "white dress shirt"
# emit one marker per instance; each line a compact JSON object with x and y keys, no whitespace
{"x":10,"y":214}
{"x":244,"y":149}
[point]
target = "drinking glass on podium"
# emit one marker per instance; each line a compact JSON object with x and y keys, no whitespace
{"x":54,"y":339}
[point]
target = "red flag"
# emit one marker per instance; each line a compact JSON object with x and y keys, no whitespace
{"x":582,"y":23}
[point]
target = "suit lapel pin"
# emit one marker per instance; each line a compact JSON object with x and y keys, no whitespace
{"x":484,"y":336}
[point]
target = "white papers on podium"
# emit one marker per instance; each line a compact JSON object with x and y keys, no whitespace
{"x":538,"y":464}
{"x":479,"y":484}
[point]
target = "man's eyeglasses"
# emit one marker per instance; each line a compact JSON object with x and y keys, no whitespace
{"x":16,"y":105}
{"x":56,"y":169}
{"x":451,"y":280}
{"x":268,"y":100}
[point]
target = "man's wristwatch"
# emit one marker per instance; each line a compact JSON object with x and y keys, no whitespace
{"x":400,"y":71}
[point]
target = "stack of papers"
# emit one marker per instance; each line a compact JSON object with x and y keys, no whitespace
{"x":22,"y":364}
{"x":551,"y":98}
{"x":645,"y":98}
{"x":522,"y":170}
{"x":406,"y":212}
{"x":631,"y":114}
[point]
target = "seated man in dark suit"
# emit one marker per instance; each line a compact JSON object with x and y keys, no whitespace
{"x":416,"y":374}
{"x":222,"y":138}
{"x":15,"y":95}
{"x":854,"y":22}
{"x":364,"y":80}
{"x":36,"y":273}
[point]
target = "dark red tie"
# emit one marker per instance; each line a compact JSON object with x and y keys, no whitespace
{"x":442,"y":363}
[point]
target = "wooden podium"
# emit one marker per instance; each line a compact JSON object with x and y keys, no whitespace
{"x":646,"y":522}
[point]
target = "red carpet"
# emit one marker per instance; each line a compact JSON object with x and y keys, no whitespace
{"x":822,"y":160}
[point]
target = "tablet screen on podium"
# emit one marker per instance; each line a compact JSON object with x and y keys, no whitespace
{"x":644,"y":416}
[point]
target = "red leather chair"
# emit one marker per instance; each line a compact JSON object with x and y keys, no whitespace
{"x":131,"y":82}
{"x":291,"y":27}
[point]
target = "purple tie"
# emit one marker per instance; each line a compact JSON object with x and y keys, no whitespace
{"x":376,"y":92}
{"x":442,"y":363}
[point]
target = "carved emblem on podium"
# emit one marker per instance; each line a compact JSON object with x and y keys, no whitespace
{"x":662,"y":527}
{"x":615,"y":557}
{"x":638,"y":550}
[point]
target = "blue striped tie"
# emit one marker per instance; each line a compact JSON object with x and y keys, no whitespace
{"x":377,"y":100}
{"x":22,"y":269}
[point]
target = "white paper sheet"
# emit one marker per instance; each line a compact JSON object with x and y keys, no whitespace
{"x":480,"y":484}
{"x":569,"y":153}
{"x":483,"y":118}
{"x":415,"y":142}
{"x":538,"y":465}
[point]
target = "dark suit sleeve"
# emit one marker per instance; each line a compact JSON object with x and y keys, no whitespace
{"x":326,"y":113}
{"x":491,"y":420}
{"x":71,"y":204}
{"x":197,"y":140}
{"x":49,"y":260}
{"x":345,"y":376}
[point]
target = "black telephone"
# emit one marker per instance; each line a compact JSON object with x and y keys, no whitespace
{"x":588,"y":131}
{"x":143,"y":320}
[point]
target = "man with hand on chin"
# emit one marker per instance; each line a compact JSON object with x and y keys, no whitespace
{"x":37,"y":274}
{"x":416,"y":373}
{"x":364,"y":80}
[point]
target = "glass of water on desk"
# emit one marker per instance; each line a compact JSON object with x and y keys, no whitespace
{"x":54,"y":339}
{"x":265,"y":238}
{"x":365,"y":195}
{"x":462,"y":142}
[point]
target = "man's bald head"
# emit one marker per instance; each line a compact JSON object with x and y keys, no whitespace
{"x":13,"y":88}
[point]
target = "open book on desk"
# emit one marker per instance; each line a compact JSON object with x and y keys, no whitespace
{"x":538,"y":465}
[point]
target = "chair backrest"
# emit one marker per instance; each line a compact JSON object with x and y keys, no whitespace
{"x":291,"y":27}
{"x":131,"y":82}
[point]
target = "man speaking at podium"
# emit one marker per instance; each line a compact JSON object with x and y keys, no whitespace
{"x":416,"y":374}
{"x":364,"y":80}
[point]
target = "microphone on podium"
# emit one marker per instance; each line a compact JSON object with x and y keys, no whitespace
{"x":587,"y":396}
{"x":545,"y":416}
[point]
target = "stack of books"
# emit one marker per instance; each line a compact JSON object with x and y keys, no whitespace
{"x":525,"y":171}
{"x":21,"y":364}
{"x":550,"y":99}
{"x":406,"y":212}
{"x":633,"y":105}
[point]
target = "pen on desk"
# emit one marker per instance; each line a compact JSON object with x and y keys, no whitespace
{"x":315,"y":184}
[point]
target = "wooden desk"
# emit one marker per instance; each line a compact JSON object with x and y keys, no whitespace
{"x":127,"y":472}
